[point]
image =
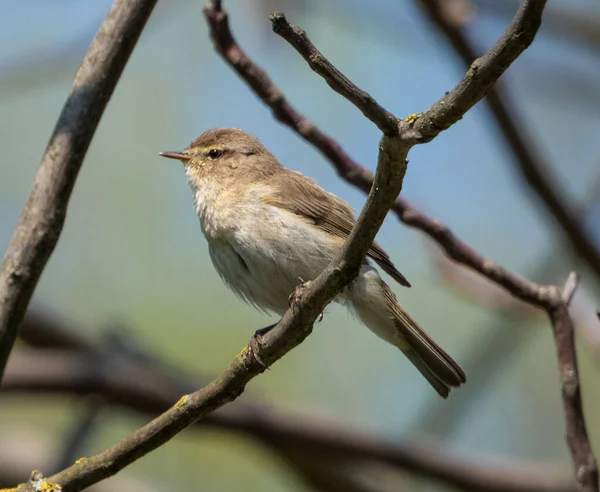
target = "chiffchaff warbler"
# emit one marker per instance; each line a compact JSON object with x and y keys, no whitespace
{"x":267,"y":227}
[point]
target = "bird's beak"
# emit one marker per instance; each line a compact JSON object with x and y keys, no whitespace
{"x":176,"y":155}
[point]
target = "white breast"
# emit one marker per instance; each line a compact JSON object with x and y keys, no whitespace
{"x":259,"y":250}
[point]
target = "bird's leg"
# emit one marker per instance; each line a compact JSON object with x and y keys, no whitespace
{"x":294,"y":297}
{"x":254,"y":343}
{"x":263,"y":331}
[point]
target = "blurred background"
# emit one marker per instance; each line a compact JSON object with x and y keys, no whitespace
{"x":132,"y":264}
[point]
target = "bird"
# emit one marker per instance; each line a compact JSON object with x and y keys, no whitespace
{"x":268,"y":226}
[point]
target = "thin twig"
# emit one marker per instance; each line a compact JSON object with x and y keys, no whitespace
{"x":529,"y":161}
{"x":478,"y":80}
{"x":44,"y":214}
{"x":384,"y":120}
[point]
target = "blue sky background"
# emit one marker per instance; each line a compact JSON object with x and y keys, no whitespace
{"x":132,"y":250}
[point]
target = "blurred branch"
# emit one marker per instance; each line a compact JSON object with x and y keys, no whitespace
{"x":82,"y":430}
{"x":528,"y":160}
{"x":479,"y":290}
{"x":33,"y":69}
{"x":23,"y":449}
{"x":143,"y":386}
{"x":580,"y":25}
{"x":44,"y":214}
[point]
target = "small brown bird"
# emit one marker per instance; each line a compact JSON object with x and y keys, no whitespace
{"x":268,"y":226}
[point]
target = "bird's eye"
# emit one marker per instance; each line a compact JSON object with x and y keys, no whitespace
{"x":215,"y":153}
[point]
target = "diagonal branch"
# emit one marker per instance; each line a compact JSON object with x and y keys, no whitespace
{"x":44,"y":214}
{"x":527,"y":159}
{"x":384,"y":120}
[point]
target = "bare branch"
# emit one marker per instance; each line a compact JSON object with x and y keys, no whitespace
{"x":483,"y":72}
{"x":44,"y":214}
{"x":584,"y":461}
{"x":528,"y":160}
{"x":384,"y":120}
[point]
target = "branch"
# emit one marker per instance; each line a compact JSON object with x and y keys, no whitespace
{"x":478,"y":80}
{"x":528,"y":160}
{"x":584,"y":462}
{"x":482,"y":72}
{"x":384,"y":120}
{"x":44,"y":214}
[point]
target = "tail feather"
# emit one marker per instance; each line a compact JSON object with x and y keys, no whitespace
{"x":442,"y":388}
{"x":427,"y":356}
{"x":377,"y":307}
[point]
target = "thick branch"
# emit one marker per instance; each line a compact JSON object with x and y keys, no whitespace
{"x":44,"y":214}
{"x":527,"y":158}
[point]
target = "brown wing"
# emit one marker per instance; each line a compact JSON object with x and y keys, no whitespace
{"x":304,"y":197}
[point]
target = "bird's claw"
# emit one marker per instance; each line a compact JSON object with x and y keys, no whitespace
{"x":255,"y":344}
{"x":294,"y":298}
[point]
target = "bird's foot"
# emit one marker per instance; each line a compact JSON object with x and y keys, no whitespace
{"x":254,"y":344}
{"x":294,"y":298}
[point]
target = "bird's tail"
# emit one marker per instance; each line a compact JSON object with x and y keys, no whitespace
{"x":377,"y":307}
